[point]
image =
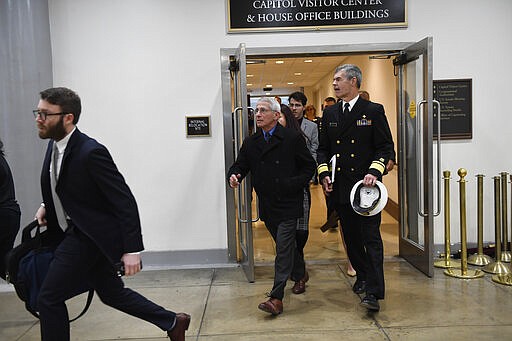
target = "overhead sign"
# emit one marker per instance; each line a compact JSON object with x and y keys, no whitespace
{"x":300,"y":15}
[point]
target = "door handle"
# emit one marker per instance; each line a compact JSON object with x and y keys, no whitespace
{"x":420,"y":192}
{"x":436,"y":213}
{"x":419,"y":158}
{"x":236,"y":130}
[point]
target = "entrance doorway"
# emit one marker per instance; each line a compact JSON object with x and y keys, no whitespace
{"x":413,"y":69}
{"x":282,"y":75}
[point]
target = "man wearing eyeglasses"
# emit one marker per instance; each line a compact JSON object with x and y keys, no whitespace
{"x":93,"y":220}
{"x":281,"y":166}
{"x":297,"y":101}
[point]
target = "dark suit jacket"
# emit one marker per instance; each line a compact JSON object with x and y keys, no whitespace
{"x":279,"y":170}
{"x":94,"y":196}
{"x":362,"y":143}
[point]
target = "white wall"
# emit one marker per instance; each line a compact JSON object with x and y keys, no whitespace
{"x":142,"y":66}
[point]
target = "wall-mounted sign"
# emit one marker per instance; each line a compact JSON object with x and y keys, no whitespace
{"x":455,"y":97}
{"x":198,"y":126}
{"x":301,"y":15}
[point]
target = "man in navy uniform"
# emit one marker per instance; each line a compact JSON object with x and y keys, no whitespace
{"x":357,"y":133}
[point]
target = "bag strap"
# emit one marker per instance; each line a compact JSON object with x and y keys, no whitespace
{"x":34,"y":313}
{"x":27,"y":231}
{"x":90,"y":295}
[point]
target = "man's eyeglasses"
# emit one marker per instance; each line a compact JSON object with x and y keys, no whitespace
{"x":44,"y":114}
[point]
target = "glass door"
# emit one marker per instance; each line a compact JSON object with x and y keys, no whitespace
{"x":416,"y":155}
{"x":243,"y":194}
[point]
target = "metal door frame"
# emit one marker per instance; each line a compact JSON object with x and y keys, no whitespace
{"x":227,"y":55}
{"x":417,"y":200}
{"x":242,"y":200}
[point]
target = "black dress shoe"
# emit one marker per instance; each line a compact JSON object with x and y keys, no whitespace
{"x":178,"y":332}
{"x":359,"y":287}
{"x":370,"y":302}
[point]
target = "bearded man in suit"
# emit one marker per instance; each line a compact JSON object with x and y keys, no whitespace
{"x":92,"y":219}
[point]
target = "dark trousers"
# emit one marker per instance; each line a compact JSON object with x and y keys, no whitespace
{"x":302,"y":235}
{"x":78,"y":262}
{"x":288,"y":262}
{"x":9,"y":226}
{"x":364,"y":247}
{"x":302,"y":238}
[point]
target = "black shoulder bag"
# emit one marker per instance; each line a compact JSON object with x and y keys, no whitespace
{"x":27,"y":265}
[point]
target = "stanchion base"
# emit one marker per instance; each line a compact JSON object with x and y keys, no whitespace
{"x":470,"y":274}
{"x":503,"y":279}
{"x":479,"y":259}
{"x":497,"y":268}
{"x":505,"y":256}
{"x":447,"y":263}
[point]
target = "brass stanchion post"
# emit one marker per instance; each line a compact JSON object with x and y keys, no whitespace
{"x":447,"y":261}
{"x":480,"y":258}
{"x":464,"y":272}
{"x":497,"y":267}
{"x":505,"y":279}
{"x":505,"y":252}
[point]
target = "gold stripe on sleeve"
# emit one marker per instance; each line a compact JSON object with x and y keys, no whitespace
{"x":322,"y":168}
{"x":378,"y":166}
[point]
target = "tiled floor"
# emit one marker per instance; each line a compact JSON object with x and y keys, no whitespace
{"x":223,"y":304}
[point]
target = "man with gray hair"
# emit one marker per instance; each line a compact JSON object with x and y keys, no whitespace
{"x":356,"y":132}
{"x":281,"y":166}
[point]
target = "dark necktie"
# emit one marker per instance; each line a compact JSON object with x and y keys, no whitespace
{"x":266,"y":136}
{"x":346,"y":111}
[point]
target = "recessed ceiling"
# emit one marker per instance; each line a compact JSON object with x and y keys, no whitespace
{"x":267,"y":72}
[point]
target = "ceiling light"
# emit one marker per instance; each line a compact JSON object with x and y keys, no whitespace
{"x":255,"y":61}
{"x":298,"y":73}
{"x":249,"y":84}
{"x":268,"y":85}
{"x":250,"y":76}
{"x":279,"y":61}
{"x":267,"y":93}
{"x":290,"y":83}
{"x":308,"y":61}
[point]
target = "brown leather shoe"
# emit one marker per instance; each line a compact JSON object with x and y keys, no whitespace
{"x":178,"y":332}
{"x":300,"y":286}
{"x":273,"y":306}
{"x":331,"y":223}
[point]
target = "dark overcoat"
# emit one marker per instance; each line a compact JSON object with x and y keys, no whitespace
{"x":280,"y":169}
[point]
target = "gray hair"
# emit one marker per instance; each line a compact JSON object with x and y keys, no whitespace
{"x":272,"y":102}
{"x":351,"y":71}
